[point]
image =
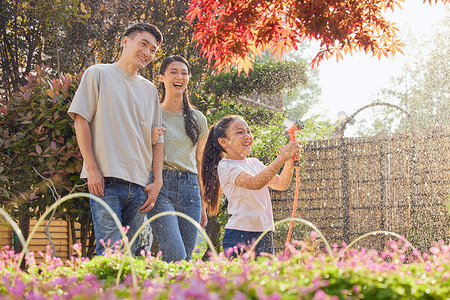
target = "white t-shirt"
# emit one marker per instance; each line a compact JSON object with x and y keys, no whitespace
{"x":121,"y":110}
{"x":251,"y":210}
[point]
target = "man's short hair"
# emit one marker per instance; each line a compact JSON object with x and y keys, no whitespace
{"x":150,"y":28}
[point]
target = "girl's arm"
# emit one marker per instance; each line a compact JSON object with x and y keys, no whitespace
{"x":281,"y":182}
{"x":263,"y":178}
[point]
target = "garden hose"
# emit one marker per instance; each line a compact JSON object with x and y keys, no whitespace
{"x":297,"y":126}
{"x":294,"y":206}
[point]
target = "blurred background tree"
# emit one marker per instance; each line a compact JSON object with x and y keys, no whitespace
{"x":67,"y":36}
{"x":423,"y":89}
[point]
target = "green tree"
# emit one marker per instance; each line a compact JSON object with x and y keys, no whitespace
{"x":425,"y":86}
{"x":29,"y":30}
{"x":423,"y":89}
{"x":67,"y":36}
{"x":299,"y":99}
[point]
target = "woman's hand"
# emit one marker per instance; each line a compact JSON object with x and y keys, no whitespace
{"x":157,"y":132}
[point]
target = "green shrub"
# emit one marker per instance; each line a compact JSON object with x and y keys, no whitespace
{"x":37,"y":139}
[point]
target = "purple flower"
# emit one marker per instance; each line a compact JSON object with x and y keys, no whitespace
{"x":33,"y":296}
{"x":18,"y":290}
{"x":58,"y":281}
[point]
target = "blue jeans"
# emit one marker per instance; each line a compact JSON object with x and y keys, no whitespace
{"x":239,"y":238}
{"x":125,"y":199}
{"x":176,"y":236}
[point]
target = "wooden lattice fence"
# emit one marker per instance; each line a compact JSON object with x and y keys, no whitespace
{"x":351,"y":186}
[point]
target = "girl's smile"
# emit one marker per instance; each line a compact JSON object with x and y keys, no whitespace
{"x":239,"y":141}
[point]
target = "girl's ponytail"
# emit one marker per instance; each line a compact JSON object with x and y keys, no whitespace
{"x":211,"y":185}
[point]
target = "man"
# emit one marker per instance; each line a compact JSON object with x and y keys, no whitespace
{"x":114,"y":110}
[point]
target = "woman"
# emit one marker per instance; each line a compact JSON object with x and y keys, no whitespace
{"x":185,"y":132}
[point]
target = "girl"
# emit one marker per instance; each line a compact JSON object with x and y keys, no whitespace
{"x":185,"y":131}
{"x":244,"y":181}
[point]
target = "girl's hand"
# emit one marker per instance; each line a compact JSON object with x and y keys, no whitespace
{"x":156,"y":133}
{"x":291,"y":149}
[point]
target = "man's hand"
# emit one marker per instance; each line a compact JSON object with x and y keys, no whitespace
{"x":96,"y":182}
{"x":152,"y":191}
{"x":204,"y":217}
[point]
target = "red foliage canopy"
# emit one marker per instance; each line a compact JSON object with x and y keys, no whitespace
{"x":233,"y":31}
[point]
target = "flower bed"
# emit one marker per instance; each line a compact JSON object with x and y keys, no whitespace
{"x":308,"y":273}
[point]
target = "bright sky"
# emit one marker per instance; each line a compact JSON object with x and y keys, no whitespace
{"x":353,"y":82}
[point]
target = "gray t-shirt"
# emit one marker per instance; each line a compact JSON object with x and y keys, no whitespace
{"x":179,"y":152}
{"x":121,"y":110}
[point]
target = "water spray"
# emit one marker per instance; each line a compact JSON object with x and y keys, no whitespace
{"x":291,"y":135}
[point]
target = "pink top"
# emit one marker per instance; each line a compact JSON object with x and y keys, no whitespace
{"x":251,"y":210}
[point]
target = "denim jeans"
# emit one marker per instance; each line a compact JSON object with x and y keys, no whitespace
{"x":241,"y":238}
{"x":176,"y":236}
{"x":125,"y":199}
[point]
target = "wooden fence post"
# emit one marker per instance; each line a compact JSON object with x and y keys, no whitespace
{"x":344,"y":191}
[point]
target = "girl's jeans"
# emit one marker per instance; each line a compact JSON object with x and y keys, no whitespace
{"x":176,"y":236}
{"x":125,"y":199}
{"x":243,"y":240}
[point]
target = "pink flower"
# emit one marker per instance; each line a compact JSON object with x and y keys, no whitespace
{"x":440,"y":268}
{"x":321,"y":295}
{"x":393,"y":245}
{"x":239,"y":296}
{"x":445,"y":276}
{"x":434,"y":250}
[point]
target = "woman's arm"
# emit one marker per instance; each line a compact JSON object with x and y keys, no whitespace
{"x":198,"y":156}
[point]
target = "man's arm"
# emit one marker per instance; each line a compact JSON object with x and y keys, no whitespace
{"x":154,"y":187}
{"x":96,"y":182}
